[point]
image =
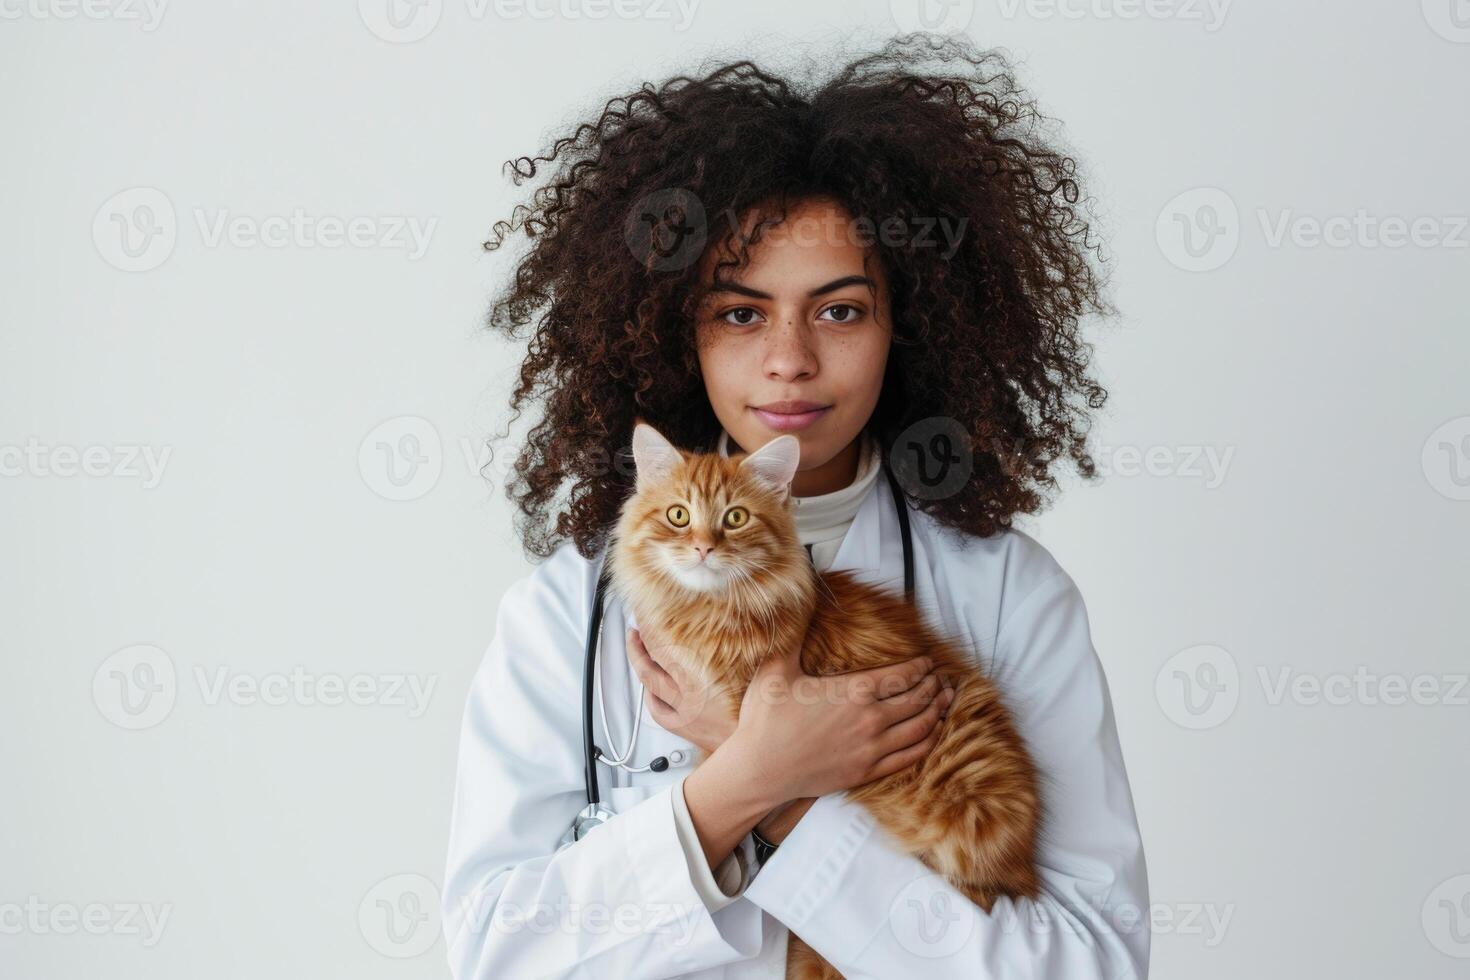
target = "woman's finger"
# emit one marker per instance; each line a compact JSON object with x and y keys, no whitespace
{"x":654,"y":677}
{"x":877,"y":683}
{"x":912,"y":729}
{"x":912,"y":701}
{"x":896,"y":761}
{"x":661,"y":710}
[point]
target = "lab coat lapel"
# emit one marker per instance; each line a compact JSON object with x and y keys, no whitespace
{"x":872,"y":547}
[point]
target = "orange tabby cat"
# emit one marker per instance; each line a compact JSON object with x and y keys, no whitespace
{"x":969,"y":810}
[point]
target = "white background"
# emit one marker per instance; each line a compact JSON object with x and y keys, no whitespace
{"x":1287,"y":835}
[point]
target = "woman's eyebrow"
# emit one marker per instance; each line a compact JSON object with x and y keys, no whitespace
{"x":735,"y":287}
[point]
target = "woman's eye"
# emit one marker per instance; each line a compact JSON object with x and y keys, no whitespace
{"x":853,"y":313}
{"x":743,"y":316}
{"x":678,"y":515}
{"x":736,"y":517}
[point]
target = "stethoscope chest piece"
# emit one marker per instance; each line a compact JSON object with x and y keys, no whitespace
{"x":591,"y":816}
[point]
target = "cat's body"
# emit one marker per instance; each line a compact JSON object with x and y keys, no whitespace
{"x":970,"y":810}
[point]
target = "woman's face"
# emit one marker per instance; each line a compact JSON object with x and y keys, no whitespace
{"x":806,"y":321}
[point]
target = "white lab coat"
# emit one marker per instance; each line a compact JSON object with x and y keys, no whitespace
{"x":621,"y":901}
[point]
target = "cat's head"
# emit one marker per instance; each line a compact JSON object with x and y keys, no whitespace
{"x":704,"y":523}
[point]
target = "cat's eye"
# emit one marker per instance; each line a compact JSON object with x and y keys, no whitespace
{"x":678,"y":515}
{"x":736,"y":517}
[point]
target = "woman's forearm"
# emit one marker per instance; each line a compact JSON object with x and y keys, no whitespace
{"x":724,"y":802}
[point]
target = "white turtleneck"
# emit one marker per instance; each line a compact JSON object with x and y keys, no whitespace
{"x":821,"y":522}
{"x":823,"y":519}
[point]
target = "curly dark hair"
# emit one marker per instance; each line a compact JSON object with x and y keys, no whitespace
{"x":926,"y":127}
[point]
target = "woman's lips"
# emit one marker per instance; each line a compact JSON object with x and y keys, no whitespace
{"x":790,"y":422}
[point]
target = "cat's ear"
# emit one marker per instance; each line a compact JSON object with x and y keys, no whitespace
{"x":775,"y":463}
{"x":653,"y":456}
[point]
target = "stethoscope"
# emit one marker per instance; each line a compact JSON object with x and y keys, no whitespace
{"x":594,"y":813}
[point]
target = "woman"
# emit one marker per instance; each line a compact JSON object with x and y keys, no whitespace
{"x":888,"y":264}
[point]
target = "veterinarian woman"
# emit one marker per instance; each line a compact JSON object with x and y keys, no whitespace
{"x":890,"y":266}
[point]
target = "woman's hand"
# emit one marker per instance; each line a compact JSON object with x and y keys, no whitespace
{"x":679,"y":701}
{"x":802,"y":736}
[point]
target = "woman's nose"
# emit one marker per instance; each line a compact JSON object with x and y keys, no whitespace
{"x":789,"y":352}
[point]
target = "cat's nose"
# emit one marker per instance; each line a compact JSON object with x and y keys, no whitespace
{"x":704,"y":550}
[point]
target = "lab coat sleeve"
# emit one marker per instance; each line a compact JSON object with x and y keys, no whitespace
{"x":722,"y":885}
{"x":873,"y":911}
{"x":517,"y":902}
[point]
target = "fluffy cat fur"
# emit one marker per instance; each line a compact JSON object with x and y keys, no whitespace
{"x":970,"y":809}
